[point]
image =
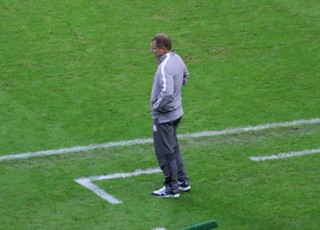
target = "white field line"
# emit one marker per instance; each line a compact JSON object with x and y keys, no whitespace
{"x":87,"y":182}
{"x":285,"y":155}
{"x":149,"y":140}
{"x":98,"y":191}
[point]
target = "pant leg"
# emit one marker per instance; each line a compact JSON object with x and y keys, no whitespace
{"x":164,"y":141}
{"x":182,"y":174}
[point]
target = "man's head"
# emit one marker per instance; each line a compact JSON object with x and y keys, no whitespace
{"x":160,"y":45}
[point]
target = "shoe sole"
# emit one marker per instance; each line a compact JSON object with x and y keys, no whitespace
{"x":167,"y":196}
{"x":185,"y":189}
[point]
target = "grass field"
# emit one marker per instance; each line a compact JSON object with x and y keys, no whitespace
{"x":78,"y":73}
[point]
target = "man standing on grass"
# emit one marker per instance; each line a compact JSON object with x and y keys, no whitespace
{"x":166,"y":110}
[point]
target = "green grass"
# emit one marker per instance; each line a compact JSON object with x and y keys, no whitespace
{"x":80,"y":72}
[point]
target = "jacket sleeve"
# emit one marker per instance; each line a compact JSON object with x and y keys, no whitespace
{"x":185,"y":75}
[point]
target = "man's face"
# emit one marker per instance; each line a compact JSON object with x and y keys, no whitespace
{"x":158,"y":52}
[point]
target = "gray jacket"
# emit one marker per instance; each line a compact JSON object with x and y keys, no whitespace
{"x":171,"y":75}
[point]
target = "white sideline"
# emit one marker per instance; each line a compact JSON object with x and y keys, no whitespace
{"x":149,"y":140}
{"x":285,"y":155}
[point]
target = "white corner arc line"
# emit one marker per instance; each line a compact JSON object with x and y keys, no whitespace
{"x":87,"y":182}
{"x":149,"y":140}
{"x":285,"y":155}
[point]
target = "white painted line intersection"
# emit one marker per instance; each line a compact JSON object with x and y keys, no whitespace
{"x":87,"y":182}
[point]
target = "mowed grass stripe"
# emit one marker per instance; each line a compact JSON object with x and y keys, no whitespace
{"x":149,"y":140}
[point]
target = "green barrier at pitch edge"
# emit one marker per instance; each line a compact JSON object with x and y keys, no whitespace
{"x":203,"y":226}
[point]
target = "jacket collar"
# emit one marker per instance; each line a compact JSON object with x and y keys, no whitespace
{"x":166,"y":55}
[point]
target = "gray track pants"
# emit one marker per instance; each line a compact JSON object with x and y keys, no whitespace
{"x":168,"y":153}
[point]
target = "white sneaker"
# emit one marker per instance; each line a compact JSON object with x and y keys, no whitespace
{"x":162,"y":192}
{"x":184,"y":186}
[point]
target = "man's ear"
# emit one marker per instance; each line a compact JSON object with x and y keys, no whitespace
{"x":163,"y":49}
